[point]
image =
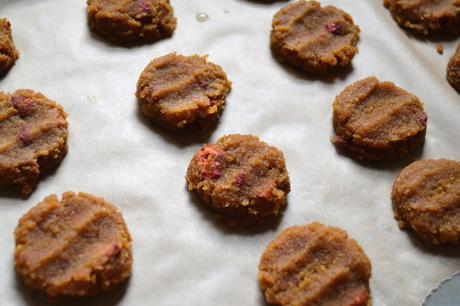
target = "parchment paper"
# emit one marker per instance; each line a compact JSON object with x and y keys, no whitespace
{"x":181,"y":256}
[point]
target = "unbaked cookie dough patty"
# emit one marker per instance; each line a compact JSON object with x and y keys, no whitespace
{"x":33,"y":138}
{"x":177,"y":91}
{"x":378,"y":121}
{"x":426,"y":17}
{"x":77,"y":246}
{"x":312,"y":38}
{"x":131,"y":21}
{"x":453,"y":70}
{"x":8,"y":52}
{"x":241,"y":179}
{"x":315,"y":265}
{"x":426,"y":200}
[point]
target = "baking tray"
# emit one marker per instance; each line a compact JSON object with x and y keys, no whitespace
{"x":181,"y":256}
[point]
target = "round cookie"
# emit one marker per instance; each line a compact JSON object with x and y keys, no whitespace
{"x":131,"y":21}
{"x":8,"y":52}
{"x":33,"y":138}
{"x":176,"y":91}
{"x":453,"y":70}
{"x":77,"y":246}
{"x":312,"y":38}
{"x":315,"y":265}
{"x":241,"y":179}
{"x":426,"y":200}
{"x":378,"y":121}
{"x":426,"y":17}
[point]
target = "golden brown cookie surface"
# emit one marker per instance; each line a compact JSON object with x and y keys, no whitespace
{"x":378,"y":121}
{"x":33,"y":138}
{"x":315,"y":265}
{"x":77,"y":246}
{"x":312,"y":38}
{"x":8,"y":52}
{"x":453,"y":70}
{"x":426,"y":17}
{"x":177,"y":91}
{"x":426,"y":200}
{"x":240,"y":178}
{"x":131,"y":21}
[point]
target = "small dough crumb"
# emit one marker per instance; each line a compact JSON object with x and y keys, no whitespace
{"x":440,"y":48}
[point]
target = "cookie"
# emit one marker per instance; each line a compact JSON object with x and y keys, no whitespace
{"x":312,"y":38}
{"x":75,"y":247}
{"x":33,"y":138}
{"x":378,"y":121}
{"x":315,"y":265}
{"x":131,"y":21}
{"x":243,"y":180}
{"x":426,"y":200}
{"x":8,"y":52}
{"x":453,"y":70}
{"x":177,"y":91}
{"x":426,"y":17}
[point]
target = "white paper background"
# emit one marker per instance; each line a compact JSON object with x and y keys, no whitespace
{"x":181,"y":257}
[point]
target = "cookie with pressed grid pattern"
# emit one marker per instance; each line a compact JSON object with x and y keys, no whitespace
{"x":312,"y":38}
{"x":453,"y":70}
{"x":426,"y":17}
{"x":376,"y":120}
{"x":243,"y":180}
{"x":33,"y":138}
{"x":315,"y":265}
{"x":177,"y":91}
{"x":75,"y":246}
{"x":426,"y":200}
{"x":131,"y":21}
{"x":8,"y":52}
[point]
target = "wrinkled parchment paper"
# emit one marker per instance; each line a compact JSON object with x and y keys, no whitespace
{"x":181,"y":256}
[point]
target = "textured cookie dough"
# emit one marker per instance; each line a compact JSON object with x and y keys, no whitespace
{"x":315,"y":265}
{"x":177,"y":91}
{"x":131,"y":21}
{"x":453,"y":70}
{"x":77,"y":246}
{"x":312,"y":38}
{"x":426,"y":17}
{"x":8,"y":52}
{"x":241,"y":179}
{"x":426,"y":200}
{"x":33,"y":138}
{"x":378,"y":121}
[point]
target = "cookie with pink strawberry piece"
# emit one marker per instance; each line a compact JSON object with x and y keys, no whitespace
{"x":241,"y":179}
{"x":317,"y":39}
{"x":131,"y":21}
{"x":33,"y":138}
